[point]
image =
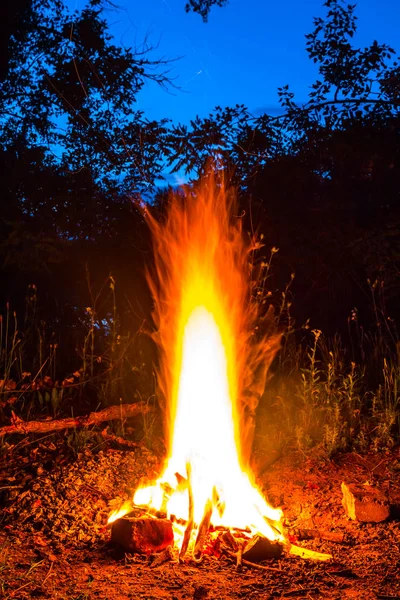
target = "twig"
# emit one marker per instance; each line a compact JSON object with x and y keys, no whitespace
{"x":110,"y":437}
{"x":162,"y":557}
{"x":48,"y":573}
{"x":248,"y":563}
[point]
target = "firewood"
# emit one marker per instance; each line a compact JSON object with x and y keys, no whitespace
{"x":111,"y":413}
{"x":239,"y":557}
{"x":229,"y":541}
{"x":259,"y":548}
{"x":143,"y":535}
{"x":190,"y":523}
{"x":306,"y":553}
{"x":202,"y":532}
{"x":315,"y":534}
{"x":365,"y":503}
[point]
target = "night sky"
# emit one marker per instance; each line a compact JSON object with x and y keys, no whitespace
{"x":242,"y":55}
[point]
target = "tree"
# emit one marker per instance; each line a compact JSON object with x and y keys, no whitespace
{"x":73,"y":153}
{"x":68,"y":96}
{"x":203,"y":7}
{"x":323,"y":177}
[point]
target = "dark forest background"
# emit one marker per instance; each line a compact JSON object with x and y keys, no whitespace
{"x":321,"y":182}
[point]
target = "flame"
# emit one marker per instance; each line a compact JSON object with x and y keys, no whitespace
{"x":205,"y":320}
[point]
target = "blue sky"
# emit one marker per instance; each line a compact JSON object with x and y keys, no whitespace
{"x":242,"y":55}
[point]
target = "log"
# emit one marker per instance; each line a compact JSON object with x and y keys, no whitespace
{"x":315,"y":534}
{"x":202,"y":532}
{"x":190,"y":523}
{"x":365,"y":503}
{"x":239,"y":557}
{"x":143,"y":535}
{"x":229,"y":541}
{"x":309,"y":554}
{"x":111,"y":413}
{"x":259,"y":548}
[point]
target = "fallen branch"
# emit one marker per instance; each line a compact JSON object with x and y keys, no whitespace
{"x":112,"y":413}
{"x":248,"y":563}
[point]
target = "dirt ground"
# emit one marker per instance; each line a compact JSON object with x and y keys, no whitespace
{"x":54,"y":541}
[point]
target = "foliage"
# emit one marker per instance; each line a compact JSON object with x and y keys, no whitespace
{"x":69,"y":92}
{"x":356,"y":84}
{"x":97,"y":363}
{"x":203,"y":7}
{"x":72,"y":145}
{"x":330,"y":401}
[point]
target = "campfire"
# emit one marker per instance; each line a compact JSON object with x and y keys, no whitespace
{"x":216,"y":345}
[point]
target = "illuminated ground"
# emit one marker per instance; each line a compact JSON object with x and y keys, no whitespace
{"x":54,"y":542}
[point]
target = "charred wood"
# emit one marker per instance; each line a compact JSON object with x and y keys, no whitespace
{"x":202,"y":532}
{"x":259,"y":548}
{"x":190,"y":524}
{"x":142,"y":535}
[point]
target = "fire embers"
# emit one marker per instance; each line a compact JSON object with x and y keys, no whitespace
{"x":151,"y":535}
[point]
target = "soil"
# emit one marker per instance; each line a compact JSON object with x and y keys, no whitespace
{"x":55,"y":543}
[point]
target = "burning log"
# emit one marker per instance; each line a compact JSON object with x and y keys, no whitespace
{"x":202,"y":532}
{"x":239,"y":557}
{"x":229,"y":541}
{"x":142,"y":535}
{"x":111,"y":413}
{"x":365,"y":503}
{"x":259,"y":548}
{"x":190,"y":524}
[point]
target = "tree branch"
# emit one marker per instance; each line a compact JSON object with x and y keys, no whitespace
{"x":112,"y":413}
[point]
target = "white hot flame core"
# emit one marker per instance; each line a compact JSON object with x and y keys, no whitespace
{"x":204,"y":437}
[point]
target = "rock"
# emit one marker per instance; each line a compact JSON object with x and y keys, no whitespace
{"x":142,"y":536}
{"x":260,"y":548}
{"x":365,"y":503}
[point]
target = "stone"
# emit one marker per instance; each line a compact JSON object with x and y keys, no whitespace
{"x":365,"y":503}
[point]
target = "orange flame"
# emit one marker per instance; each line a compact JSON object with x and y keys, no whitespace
{"x":210,"y":361}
